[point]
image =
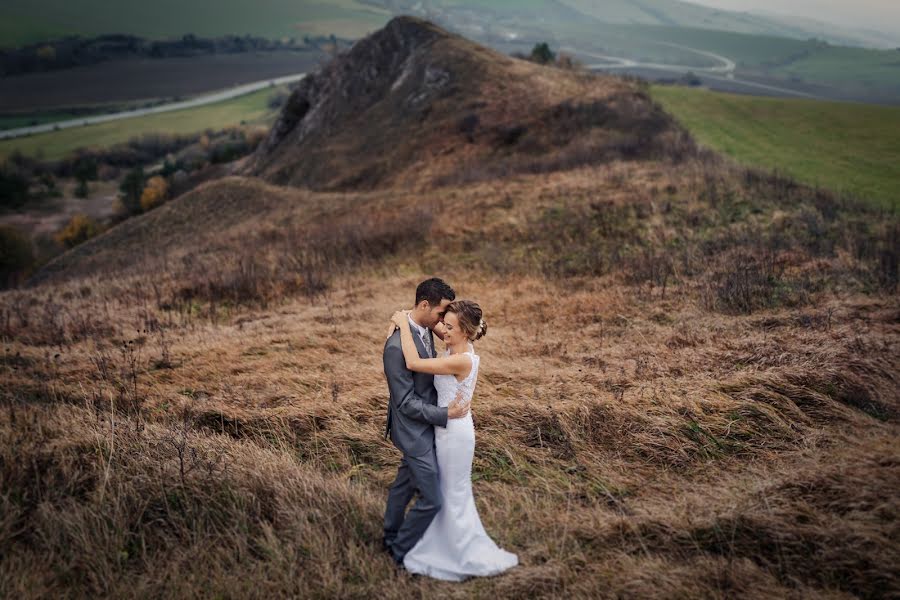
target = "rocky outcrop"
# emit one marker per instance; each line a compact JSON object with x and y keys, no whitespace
{"x":414,"y":106}
{"x":393,"y":67}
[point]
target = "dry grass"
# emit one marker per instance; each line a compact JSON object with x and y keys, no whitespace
{"x":689,"y":388}
{"x":631,"y":442}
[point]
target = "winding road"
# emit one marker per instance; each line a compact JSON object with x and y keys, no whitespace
{"x":726,"y":67}
{"x":724,"y":71}
{"x":192,"y":103}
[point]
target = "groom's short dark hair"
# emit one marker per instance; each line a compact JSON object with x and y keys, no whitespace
{"x":434,"y":290}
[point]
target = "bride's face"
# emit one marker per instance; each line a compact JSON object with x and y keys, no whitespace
{"x":454,"y":335}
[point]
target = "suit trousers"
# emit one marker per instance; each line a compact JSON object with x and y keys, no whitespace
{"x":416,"y":473}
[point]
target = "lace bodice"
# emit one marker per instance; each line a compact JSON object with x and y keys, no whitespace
{"x":447,"y":385}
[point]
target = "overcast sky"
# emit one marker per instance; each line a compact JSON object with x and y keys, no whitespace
{"x":883,"y":15}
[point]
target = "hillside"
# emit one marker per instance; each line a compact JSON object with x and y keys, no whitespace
{"x":842,"y":146}
{"x":688,"y":389}
{"x":674,"y":13}
{"x":415,"y":105}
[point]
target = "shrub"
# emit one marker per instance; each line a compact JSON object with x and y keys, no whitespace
{"x":131,"y":189}
{"x":16,"y":256}
{"x":48,"y":187}
{"x":155,"y":192}
{"x":541,"y":53}
{"x":13,"y":186}
{"x":80,"y":228}
{"x":85,"y":168}
{"x":170,"y":165}
{"x":191,"y":158}
{"x":568,"y":62}
{"x":227,"y":150}
{"x":748,"y":282}
{"x":81,"y":189}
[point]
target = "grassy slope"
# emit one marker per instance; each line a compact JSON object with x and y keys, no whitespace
{"x":671,"y":13}
{"x":629,"y":444}
{"x":842,"y":146}
{"x":252,"y":108}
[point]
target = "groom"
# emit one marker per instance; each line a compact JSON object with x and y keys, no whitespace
{"x":412,"y":415}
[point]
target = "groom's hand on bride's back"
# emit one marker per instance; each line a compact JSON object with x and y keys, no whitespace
{"x":458,"y":408}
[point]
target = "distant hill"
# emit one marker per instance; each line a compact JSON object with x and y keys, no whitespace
{"x":805,"y":55}
{"x":416,"y":105}
{"x":686,"y":14}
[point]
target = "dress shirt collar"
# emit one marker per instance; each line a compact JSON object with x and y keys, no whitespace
{"x":423,"y":331}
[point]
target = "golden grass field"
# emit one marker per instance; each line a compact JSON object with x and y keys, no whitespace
{"x":628,"y":444}
{"x":688,"y":388}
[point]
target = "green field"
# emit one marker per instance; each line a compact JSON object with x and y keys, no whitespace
{"x":29,"y":22}
{"x":251,"y":109}
{"x":28,"y":119}
{"x":842,"y":146}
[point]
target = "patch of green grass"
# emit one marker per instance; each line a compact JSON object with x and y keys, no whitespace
{"x":842,"y":146}
{"x":250,"y":108}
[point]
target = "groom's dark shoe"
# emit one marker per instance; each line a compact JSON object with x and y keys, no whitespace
{"x":386,"y":547}
{"x":389,"y":550}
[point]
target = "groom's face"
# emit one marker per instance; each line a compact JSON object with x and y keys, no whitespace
{"x":436,"y":313}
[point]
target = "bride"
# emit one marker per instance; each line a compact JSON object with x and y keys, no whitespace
{"x":455,"y":546}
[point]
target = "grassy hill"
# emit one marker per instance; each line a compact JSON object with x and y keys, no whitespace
{"x":465,"y":112}
{"x":250,"y":108}
{"x":688,"y":389}
{"x":837,"y":145}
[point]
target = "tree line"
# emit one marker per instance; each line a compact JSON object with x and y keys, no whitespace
{"x":73,"y":51}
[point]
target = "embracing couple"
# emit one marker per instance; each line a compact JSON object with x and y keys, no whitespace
{"x":429,"y":421}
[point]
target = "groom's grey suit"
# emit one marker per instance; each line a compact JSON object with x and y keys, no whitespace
{"x":412,"y":414}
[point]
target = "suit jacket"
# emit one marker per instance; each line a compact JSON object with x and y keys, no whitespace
{"x":412,"y":410}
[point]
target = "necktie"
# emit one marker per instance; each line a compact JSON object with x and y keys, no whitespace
{"x":427,"y":343}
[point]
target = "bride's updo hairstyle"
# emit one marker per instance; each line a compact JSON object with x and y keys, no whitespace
{"x":470,"y":318}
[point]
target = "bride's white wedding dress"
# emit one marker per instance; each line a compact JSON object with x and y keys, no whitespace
{"x":455,"y":546}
